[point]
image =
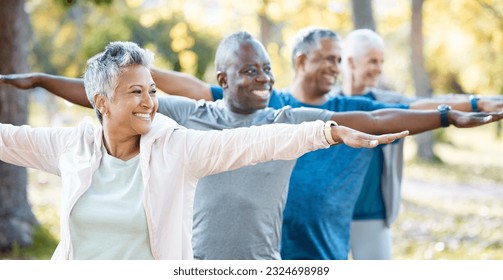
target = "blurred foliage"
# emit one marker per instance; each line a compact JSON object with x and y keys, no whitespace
{"x":463,"y":40}
{"x":455,"y":211}
{"x":467,"y":49}
{"x":433,"y":229}
{"x":75,"y":32}
{"x":68,"y":3}
{"x":467,"y":156}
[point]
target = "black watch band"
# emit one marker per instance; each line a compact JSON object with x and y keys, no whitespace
{"x":443,"y":109}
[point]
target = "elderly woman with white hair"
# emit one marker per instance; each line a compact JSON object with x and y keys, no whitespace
{"x":378,"y":204}
{"x":128,"y":184}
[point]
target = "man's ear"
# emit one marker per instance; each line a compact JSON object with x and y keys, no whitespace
{"x":300,"y":61}
{"x":222,"y":79}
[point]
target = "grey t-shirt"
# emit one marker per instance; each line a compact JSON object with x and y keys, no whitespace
{"x":238,"y":214}
{"x":392,"y":173}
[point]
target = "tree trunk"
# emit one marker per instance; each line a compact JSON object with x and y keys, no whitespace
{"x":16,"y":218}
{"x":270,"y":32}
{"x":420,"y":77}
{"x":363,"y":16}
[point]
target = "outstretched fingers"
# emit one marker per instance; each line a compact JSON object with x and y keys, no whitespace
{"x":496,"y":116}
{"x":357,"y":139}
{"x":389,"y":138}
{"x":477,"y":119}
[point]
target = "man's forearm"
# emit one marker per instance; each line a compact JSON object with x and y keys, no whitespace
{"x":390,"y":120}
{"x":71,"y":89}
{"x":176,"y":83}
{"x":416,"y":121}
{"x":462,"y":105}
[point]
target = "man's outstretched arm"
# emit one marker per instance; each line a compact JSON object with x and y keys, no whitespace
{"x":465,"y":104}
{"x":71,"y":89}
{"x":415,"y":121}
{"x":177,"y":83}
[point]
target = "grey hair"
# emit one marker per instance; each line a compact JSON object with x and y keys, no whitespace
{"x":228,"y":48}
{"x":358,"y":43}
{"x":308,"y":39}
{"x":104,"y":69}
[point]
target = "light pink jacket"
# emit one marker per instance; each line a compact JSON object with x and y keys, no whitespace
{"x":172,"y":159}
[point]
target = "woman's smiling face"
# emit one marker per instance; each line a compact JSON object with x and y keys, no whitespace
{"x":368,"y":68}
{"x":134,"y":102}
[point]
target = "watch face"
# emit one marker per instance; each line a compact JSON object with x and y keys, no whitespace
{"x":444,"y":107}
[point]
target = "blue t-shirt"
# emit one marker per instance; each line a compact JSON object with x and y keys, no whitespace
{"x":324,"y":187}
{"x":370,"y":203}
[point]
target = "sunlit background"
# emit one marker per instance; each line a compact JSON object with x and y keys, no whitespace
{"x":463,"y":39}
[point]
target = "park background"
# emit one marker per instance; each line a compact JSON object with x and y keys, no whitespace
{"x":453,"y":185}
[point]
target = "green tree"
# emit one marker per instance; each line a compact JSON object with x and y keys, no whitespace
{"x":467,"y":48}
{"x":78,"y":30}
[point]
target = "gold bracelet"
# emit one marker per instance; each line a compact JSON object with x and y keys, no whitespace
{"x":327,"y":131}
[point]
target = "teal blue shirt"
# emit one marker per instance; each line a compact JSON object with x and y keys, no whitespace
{"x":370,"y":204}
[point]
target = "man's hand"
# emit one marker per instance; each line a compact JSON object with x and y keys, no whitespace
{"x":70,"y":89}
{"x":358,"y":139}
{"x":489,"y":105}
{"x":20,"y":81}
{"x":466,"y":120}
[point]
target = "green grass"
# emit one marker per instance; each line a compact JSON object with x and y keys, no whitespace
{"x":41,"y":191}
{"x":463,"y":220}
{"x":472,"y":156}
{"x":44,"y":244}
{"x":426,"y":231}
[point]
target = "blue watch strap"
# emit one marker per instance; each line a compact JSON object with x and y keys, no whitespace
{"x":473,"y":102}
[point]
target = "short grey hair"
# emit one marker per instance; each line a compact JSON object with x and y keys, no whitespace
{"x":229,"y":46}
{"x":104,"y":69}
{"x":308,"y":40}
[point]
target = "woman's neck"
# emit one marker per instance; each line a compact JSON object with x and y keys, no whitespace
{"x":122,"y":148}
